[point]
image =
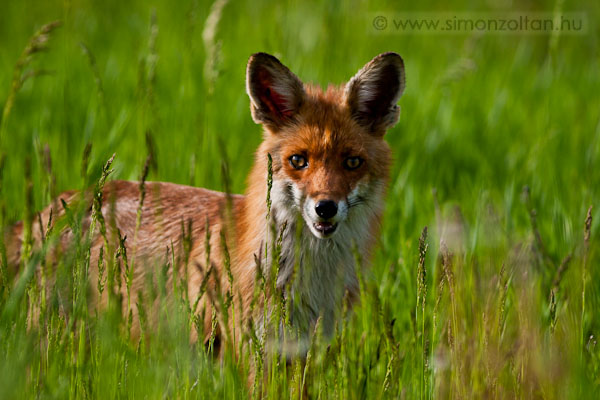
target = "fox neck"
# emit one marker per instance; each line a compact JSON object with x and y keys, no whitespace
{"x":314,"y":274}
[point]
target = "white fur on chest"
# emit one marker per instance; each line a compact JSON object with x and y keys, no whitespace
{"x":315,"y":284}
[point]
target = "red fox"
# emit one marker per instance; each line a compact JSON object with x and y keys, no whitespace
{"x":329,"y":167}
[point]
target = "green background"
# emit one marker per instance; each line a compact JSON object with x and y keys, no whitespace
{"x":483,"y":116}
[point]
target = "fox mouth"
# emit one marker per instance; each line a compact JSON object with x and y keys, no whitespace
{"x":325,"y":228}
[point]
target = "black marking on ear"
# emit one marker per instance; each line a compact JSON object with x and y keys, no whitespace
{"x":276,"y":94}
{"x":373,"y":92}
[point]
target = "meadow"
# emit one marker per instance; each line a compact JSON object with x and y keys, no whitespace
{"x":496,"y":154}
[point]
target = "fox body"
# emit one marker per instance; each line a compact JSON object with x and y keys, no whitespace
{"x":329,"y":172}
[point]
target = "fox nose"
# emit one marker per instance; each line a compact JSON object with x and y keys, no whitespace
{"x":326,"y":209}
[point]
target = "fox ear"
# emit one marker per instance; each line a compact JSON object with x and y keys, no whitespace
{"x":276,"y":94}
{"x":373,"y":92}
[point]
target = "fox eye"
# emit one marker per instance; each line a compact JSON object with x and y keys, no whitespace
{"x":298,"y":162}
{"x":353,"y":162}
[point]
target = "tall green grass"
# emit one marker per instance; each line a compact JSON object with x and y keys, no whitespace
{"x":497,"y":152}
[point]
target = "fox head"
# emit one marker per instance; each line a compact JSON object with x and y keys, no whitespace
{"x":330,"y":161}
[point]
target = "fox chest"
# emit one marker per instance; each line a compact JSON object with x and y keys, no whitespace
{"x":314,"y":276}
